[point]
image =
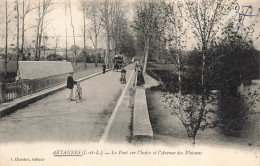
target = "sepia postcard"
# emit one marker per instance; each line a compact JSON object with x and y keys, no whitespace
{"x":130,"y":82}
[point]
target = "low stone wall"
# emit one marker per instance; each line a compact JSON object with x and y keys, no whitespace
{"x":141,"y":120}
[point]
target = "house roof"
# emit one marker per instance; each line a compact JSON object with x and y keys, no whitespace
{"x":40,"y":69}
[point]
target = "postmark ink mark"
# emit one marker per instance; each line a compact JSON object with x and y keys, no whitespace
{"x":246,"y":11}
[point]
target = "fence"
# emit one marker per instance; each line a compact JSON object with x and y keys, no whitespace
{"x":10,"y":91}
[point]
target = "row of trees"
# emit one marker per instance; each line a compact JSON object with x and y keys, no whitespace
{"x":17,"y":20}
{"x":102,"y":19}
{"x":222,"y":46}
{"x":107,"y":18}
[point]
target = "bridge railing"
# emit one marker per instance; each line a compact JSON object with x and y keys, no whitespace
{"x":13,"y":90}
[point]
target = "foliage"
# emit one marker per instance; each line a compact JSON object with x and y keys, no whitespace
{"x":233,"y":111}
{"x":127,"y":45}
{"x":231,"y":61}
{"x":54,"y":57}
{"x":217,"y":56}
{"x":149,"y":25}
{"x":235,"y":60}
{"x":75,"y":48}
{"x":186,"y":107}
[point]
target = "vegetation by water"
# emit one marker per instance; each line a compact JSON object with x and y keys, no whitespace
{"x":225,"y":109}
{"x":234,"y":129}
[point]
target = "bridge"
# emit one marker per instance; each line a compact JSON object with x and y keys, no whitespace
{"x":103,"y":114}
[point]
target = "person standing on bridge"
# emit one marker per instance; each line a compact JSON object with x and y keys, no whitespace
{"x":70,"y":86}
{"x":135,"y":66}
{"x":104,"y":68}
{"x":140,"y":77}
{"x":123,"y":76}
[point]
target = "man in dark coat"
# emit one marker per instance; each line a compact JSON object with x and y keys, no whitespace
{"x":104,"y":68}
{"x":70,"y":86}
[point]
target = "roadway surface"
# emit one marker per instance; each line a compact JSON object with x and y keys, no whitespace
{"x":55,"y":119}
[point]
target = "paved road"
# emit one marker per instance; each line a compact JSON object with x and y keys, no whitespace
{"x":55,"y":119}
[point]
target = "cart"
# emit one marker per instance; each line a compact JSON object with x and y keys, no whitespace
{"x":118,"y":63}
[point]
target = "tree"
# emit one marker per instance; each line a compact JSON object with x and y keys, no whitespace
{"x":196,"y":109}
{"x":73,"y":31}
{"x":235,"y":62}
{"x":95,"y":25}
{"x":8,"y":14}
{"x":56,"y":43}
{"x":54,"y":57}
{"x":42,"y":23}
{"x":105,"y":14}
{"x":18,"y":34}
{"x":75,"y":49}
{"x":84,"y":6}
{"x":66,"y":26}
{"x":237,"y":59}
{"x":127,"y":44}
{"x":117,"y":20}
{"x":149,"y":23}
{"x":45,"y":38}
{"x":104,"y":10}
{"x":6,"y":34}
{"x":176,"y":39}
{"x":204,"y":18}
{"x":26,"y":9}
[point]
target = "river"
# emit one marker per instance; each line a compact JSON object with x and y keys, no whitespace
{"x":234,"y":129}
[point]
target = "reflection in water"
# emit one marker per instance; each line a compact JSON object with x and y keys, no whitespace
{"x":232,"y":116}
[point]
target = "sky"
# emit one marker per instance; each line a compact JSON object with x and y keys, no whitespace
{"x":57,"y":24}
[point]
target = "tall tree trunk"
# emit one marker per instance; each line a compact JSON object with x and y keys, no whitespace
{"x":66,"y":31}
{"x":74,"y":40}
{"x":146,"y":51}
{"x":22,"y":44}
{"x":203,"y":89}
{"x":39,"y":48}
{"x":44,"y":49}
{"x":107,"y":34}
{"x":107,"y":45}
{"x":17,"y":9}
{"x":6,"y":36}
{"x":203,"y":69}
{"x":55,"y":50}
{"x":192,"y":140}
{"x":41,"y":31}
{"x":179,"y":74}
{"x":96,"y":57}
{"x":38,"y":30}
{"x":113,"y":38}
{"x":84,"y":33}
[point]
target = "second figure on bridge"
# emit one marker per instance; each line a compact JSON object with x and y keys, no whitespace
{"x":123,"y":76}
{"x":70,"y":86}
